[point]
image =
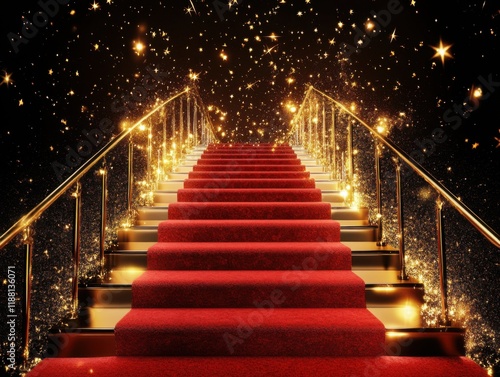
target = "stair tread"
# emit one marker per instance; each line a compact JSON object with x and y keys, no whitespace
{"x":217,"y":289}
{"x":388,"y":366}
{"x":274,"y":332}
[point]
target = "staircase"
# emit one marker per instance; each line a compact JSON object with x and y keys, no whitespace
{"x":260,"y":269}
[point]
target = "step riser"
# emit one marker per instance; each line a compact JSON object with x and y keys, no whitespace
{"x":249,"y":231}
{"x":91,"y":344}
{"x":165,"y":198}
{"x":249,"y":195}
{"x":380,"y":297}
{"x":208,"y":211}
{"x":160,"y":214}
{"x":149,"y":236}
{"x":244,"y":183}
{"x":373,"y":261}
{"x":243,"y":162}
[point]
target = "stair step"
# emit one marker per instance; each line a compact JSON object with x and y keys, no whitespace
{"x":249,"y":231}
{"x":164,"y":198}
{"x":360,"y":260}
{"x":250,"y":183}
{"x":249,"y":210}
{"x":240,"y":162}
{"x":264,"y":366}
{"x":407,"y":297}
{"x":244,"y":289}
{"x":261,"y":332}
{"x":144,"y":236}
{"x":160,"y":213}
{"x":249,"y":168}
{"x":246,"y":256}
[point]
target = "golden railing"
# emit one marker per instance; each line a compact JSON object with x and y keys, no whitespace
{"x":321,"y":124}
{"x":181,"y":122}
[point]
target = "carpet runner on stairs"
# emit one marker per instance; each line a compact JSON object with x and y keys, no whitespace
{"x":249,"y":278}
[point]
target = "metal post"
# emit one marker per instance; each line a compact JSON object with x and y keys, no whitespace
{"x":164,"y":141}
{"x":324,"y":148}
{"x":181,"y":127}
{"x":380,"y":231}
{"x":334,"y":146}
{"x":402,"y":273}
{"x":316,"y":135}
{"x":350,"y":162}
{"x":309,"y":129}
{"x":149,"y":161}
{"x":104,"y":212}
{"x":28,"y":245}
{"x":130,"y":173}
{"x":443,"y":283}
{"x":188,"y":120}
{"x":76,"y":247}
{"x":195,"y":123}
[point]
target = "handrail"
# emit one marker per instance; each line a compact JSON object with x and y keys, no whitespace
{"x":37,"y":211}
{"x":465,"y":211}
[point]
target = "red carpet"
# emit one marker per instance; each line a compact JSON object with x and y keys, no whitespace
{"x":249,"y":210}
{"x":249,"y":183}
{"x":249,"y":278}
{"x":249,"y":256}
{"x":249,"y":195}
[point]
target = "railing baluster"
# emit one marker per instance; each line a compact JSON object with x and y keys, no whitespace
{"x":401,"y":237}
{"x":28,"y":245}
{"x":76,"y":248}
{"x":334,"y":146}
{"x":443,"y":283}
{"x":350,"y":162}
{"x":130,"y":175}
{"x":104,"y":213}
{"x":380,"y":230}
{"x":149,"y":156}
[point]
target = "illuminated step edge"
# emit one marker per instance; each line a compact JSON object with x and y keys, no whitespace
{"x":149,"y":233}
{"x":361,"y":260}
{"x":164,"y":198}
{"x":176,"y":184}
{"x":338,"y":213}
{"x":79,"y":340}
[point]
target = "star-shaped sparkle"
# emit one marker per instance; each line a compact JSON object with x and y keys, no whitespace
{"x":442,"y":51}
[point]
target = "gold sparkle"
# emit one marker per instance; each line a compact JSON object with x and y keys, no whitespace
{"x":6,"y":78}
{"x":442,"y":51}
{"x":21,"y":103}
{"x":94,"y":6}
{"x":393,"y":35}
{"x":139,"y":47}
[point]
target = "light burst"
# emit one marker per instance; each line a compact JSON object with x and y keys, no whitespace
{"x":442,"y":51}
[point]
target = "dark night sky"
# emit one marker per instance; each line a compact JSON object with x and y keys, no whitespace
{"x":250,"y":60}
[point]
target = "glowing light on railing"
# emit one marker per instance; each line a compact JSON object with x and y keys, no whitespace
{"x":194,"y":76}
{"x":139,"y":47}
{"x":477,"y":93}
